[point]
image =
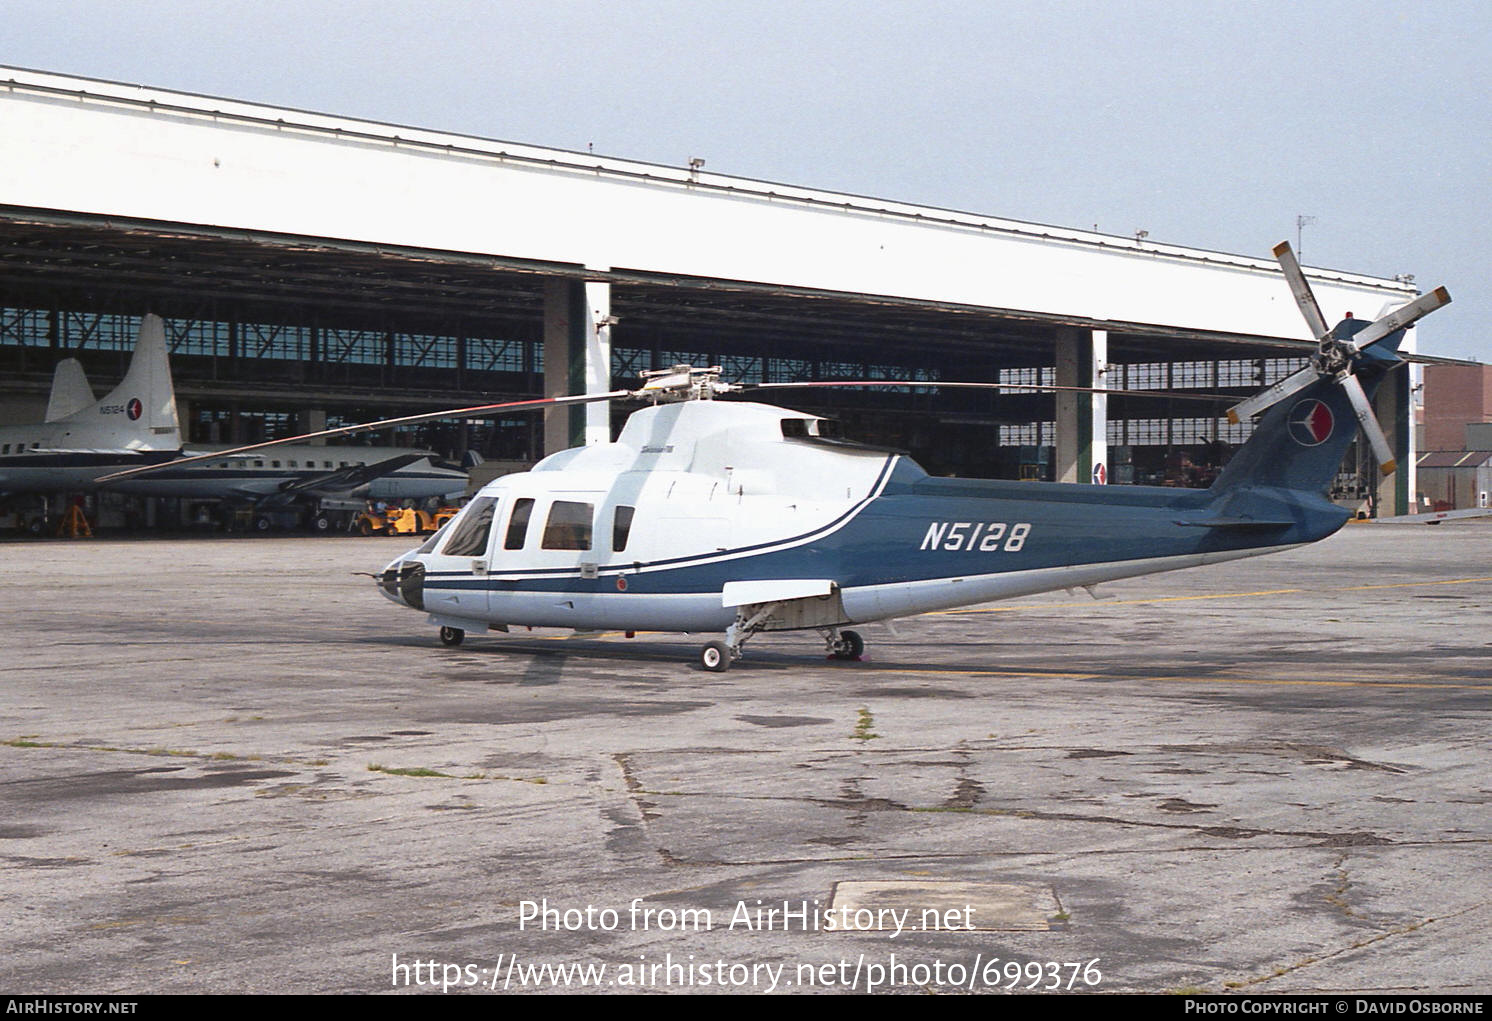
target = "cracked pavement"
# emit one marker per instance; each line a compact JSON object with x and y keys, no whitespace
{"x":1267,"y":776}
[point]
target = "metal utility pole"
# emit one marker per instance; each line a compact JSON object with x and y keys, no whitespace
{"x":1301,"y":222}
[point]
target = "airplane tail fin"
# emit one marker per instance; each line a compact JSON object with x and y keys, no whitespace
{"x":139,"y":413}
{"x":70,"y":391}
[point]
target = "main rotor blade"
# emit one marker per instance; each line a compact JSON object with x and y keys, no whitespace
{"x":1293,"y":383}
{"x":1301,"y":288}
{"x":1024,"y":387}
{"x":1402,"y":316}
{"x":476,"y":411}
{"x":1369,"y":422}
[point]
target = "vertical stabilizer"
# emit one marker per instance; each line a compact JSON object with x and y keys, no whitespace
{"x":70,"y":391}
{"x":142,"y":408}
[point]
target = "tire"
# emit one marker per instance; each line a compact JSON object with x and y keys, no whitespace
{"x":321,"y":523}
{"x":715,"y":657}
{"x":852,"y":645}
{"x":451,"y":636}
{"x":262,"y":523}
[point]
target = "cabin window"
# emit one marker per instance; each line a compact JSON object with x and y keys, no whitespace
{"x":469,"y":533}
{"x":621,"y":528}
{"x":6,"y":450}
{"x":518,"y":524}
{"x":258,"y":464}
{"x":274,"y":464}
{"x":569,"y":526}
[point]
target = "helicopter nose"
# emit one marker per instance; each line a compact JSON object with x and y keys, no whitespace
{"x":403,"y":581}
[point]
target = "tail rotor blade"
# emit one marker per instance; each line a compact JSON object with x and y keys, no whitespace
{"x":1403,"y":316}
{"x":1291,"y":384}
{"x":1369,"y":423}
{"x":1301,"y":288}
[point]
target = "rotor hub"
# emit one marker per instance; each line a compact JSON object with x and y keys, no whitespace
{"x":1334,"y":357}
{"x":682,"y":383}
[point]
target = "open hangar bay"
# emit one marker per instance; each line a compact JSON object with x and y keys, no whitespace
{"x":253,"y":774}
{"x":323,"y":270}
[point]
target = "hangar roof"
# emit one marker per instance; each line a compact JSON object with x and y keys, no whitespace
{"x":113,"y":186}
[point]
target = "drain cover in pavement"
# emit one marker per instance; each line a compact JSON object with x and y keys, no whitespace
{"x":927,"y":906}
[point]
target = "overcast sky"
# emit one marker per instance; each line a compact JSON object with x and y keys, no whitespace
{"x":1208,"y":123}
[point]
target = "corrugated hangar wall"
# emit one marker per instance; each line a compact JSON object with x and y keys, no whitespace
{"x":316,"y":261}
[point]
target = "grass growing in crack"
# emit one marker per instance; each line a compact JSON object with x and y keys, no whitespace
{"x":374,"y":767}
{"x":863,"y":731}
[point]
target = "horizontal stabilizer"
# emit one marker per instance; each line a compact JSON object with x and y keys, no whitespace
{"x":1235,"y":523}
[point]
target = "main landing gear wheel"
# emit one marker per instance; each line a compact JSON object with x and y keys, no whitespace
{"x":715,"y":657}
{"x":451,"y":636}
{"x":848,"y":646}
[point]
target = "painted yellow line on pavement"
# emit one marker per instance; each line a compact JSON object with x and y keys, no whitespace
{"x":1114,"y":602}
{"x":1219,"y":595}
{"x":1350,"y":683}
{"x":1414,"y":584}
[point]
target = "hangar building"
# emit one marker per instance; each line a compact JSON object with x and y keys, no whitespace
{"x":319,"y":269}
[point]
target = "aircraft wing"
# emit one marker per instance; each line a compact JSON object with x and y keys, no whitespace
{"x":345,"y":479}
{"x":109,"y":451}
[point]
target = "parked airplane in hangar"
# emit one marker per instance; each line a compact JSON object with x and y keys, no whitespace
{"x":136,"y":424}
{"x":709,"y":516}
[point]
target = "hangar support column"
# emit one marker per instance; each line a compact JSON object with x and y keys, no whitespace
{"x":1082,"y":444}
{"x":1391,"y":406}
{"x":577,"y":359}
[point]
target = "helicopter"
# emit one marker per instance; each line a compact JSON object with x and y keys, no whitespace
{"x":734,"y":518}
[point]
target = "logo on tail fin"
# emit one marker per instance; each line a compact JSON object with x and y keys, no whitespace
{"x":134,"y":409}
{"x":1311,"y":423}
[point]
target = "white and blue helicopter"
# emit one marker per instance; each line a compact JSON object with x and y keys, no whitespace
{"x":734,"y":518}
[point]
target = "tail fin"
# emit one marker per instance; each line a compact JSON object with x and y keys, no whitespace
{"x":70,"y":391}
{"x":139,"y":413}
{"x":1299,"y":443}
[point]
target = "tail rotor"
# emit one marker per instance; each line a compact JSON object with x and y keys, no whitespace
{"x":1341,"y":351}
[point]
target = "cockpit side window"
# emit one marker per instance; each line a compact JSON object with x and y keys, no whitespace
{"x":432,"y":543}
{"x":469,"y":531}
